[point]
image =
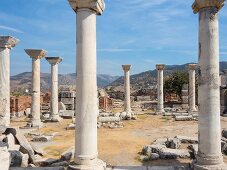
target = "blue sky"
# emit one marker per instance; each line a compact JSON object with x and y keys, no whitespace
{"x":138,"y":32}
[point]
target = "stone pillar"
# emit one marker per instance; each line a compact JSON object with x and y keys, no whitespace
{"x":127,"y":100}
{"x":191,"y":69}
{"x":209,"y":154}
{"x":6,"y":43}
{"x":184,"y":97}
{"x":54,"y":61}
{"x":86,"y":151}
{"x":36,"y":55}
{"x":160,"y":106}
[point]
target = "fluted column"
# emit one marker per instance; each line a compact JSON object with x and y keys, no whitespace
{"x":160,"y":106}
{"x":54,"y":61}
{"x":127,"y":100}
{"x":6,"y":43}
{"x":209,"y":155}
{"x":191,"y":69}
{"x":36,"y":55}
{"x":86,"y":151}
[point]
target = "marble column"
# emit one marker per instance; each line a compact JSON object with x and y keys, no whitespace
{"x":209,"y":154}
{"x":36,"y":55}
{"x":127,"y":100}
{"x":54,"y":61}
{"x":160,"y":106}
{"x":191,"y":70}
{"x":6,"y":43}
{"x":86,"y":152}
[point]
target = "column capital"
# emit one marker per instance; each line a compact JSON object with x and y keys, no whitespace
{"x":192,"y":66}
{"x":8,"y":41}
{"x":95,"y":5}
{"x":160,"y":66}
{"x":126,"y":67}
{"x":36,"y":53}
{"x":54,"y":60}
{"x":199,"y":4}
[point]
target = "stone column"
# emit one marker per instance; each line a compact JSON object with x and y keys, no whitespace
{"x":127,"y":101}
{"x":86,"y":151}
{"x":54,"y":61}
{"x":191,"y":69}
{"x":6,"y":43}
{"x":209,"y":154}
{"x":160,"y":106}
{"x":36,"y":55}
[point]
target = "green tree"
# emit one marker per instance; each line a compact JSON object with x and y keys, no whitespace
{"x":175,"y":82}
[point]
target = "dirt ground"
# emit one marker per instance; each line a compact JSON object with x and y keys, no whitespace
{"x":121,"y":146}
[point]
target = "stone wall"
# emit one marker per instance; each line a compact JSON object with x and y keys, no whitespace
{"x":20,"y":103}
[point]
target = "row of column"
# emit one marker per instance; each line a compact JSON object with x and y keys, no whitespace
{"x":6,"y":43}
{"x":209,"y":154}
{"x":160,"y":82}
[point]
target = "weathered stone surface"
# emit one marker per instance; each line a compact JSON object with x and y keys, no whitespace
{"x":61,"y":106}
{"x":173,"y":143}
{"x":155,"y":148}
{"x":167,"y":153}
{"x":4,"y":158}
{"x":10,"y":140}
{"x":186,"y":139}
{"x":167,"y":168}
{"x":67,"y":114}
{"x":38,"y":168}
{"x":130,"y":168}
{"x":37,"y":150}
{"x":27,"y":112}
{"x":45,"y":161}
{"x":161,"y":141}
{"x":18,"y":159}
{"x":224,"y":133}
{"x":63,"y":163}
{"x":154,"y":156}
{"x":194,"y":149}
{"x":3,"y":144}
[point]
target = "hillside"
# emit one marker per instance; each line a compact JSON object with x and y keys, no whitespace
{"x":22,"y":81}
{"x":148,"y":78}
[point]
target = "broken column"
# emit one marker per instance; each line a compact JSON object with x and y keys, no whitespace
{"x":36,"y":55}
{"x":54,"y":61}
{"x":86,"y":151}
{"x":127,"y":100}
{"x":6,"y":43}
{"x":184,"y":96}
{"x":209,"y":154}
{"x":160,"y":106}
{"x":191,"y":69}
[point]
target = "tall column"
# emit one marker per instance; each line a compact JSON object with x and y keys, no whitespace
{"x":209,"y":154}
{"x":6,"y":43}
{"x":160,"y":106}
{"x":54,"y":61}
{"x":86,"y":151}
{"x":127,"y":101}
{"x":36,"y":55}
{"x":191,"y":69}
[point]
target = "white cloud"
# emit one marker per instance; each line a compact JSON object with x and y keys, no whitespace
{"x":10,"y":29}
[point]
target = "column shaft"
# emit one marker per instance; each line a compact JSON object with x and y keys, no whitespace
{"x":35,"y":110}
{"x":86,"y":92}
{"x":54,"y":91}
{"x":160,"y":106}
{"x":192,"y":107}
{"x":127,"y":101}
{"x":209,"y":92}
{"x":4,"y":86}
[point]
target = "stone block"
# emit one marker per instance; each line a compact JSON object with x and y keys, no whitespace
{"x":167,"y":153}
{"x":63,"y":163}
{"x":10,"y":140}
{"x":61,"y":106}
{"x":27,"y":112}
{"x":67,"y":114}
{"x":155,"y":148}
{"x":184,"y":118}
{"x":173,"y":143}
{"x":4,"y":158}
{"x":18,"y":159}
{"x":154,"y":156}
{"x":3,"y":144}
{"x":161,"y":141}
{"x":167,"y":168}
{"x":37,"y":150}
{"x":194,"y":148}
{"x":45,"y":161}
{"x":186,"y":139}
{"x":68,"y":154}
{"x":109,"y":119}
{"x":224,"y":133}
{"x":14,"y":148}
{"x":130,"y":168}
{"x":38,"y":168}
{"x":42,"y":138}
{"x":67,"y":101}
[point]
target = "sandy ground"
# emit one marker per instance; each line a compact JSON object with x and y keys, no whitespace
{"x":121,"y":146}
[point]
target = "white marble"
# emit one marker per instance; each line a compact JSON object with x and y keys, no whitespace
{"x":36,"y":55}
{"x":209,"y":154}
{"x":160,"y":105}
{"x":86,"y":152}
{"x":192,"y":105}
{"x":6,"y":43}
{"x":127,"y":100}
{"x":54,"y":61}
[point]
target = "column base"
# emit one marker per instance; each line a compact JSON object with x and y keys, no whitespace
{"x":192,"y":110}
{"x":98,"y":165}
{"x":210,"y":167}
{"x":55,"y":119}
{"x":159,"y":112}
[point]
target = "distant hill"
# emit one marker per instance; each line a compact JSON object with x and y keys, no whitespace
{"x":148,"y":78}
{"x":22,"y":81}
